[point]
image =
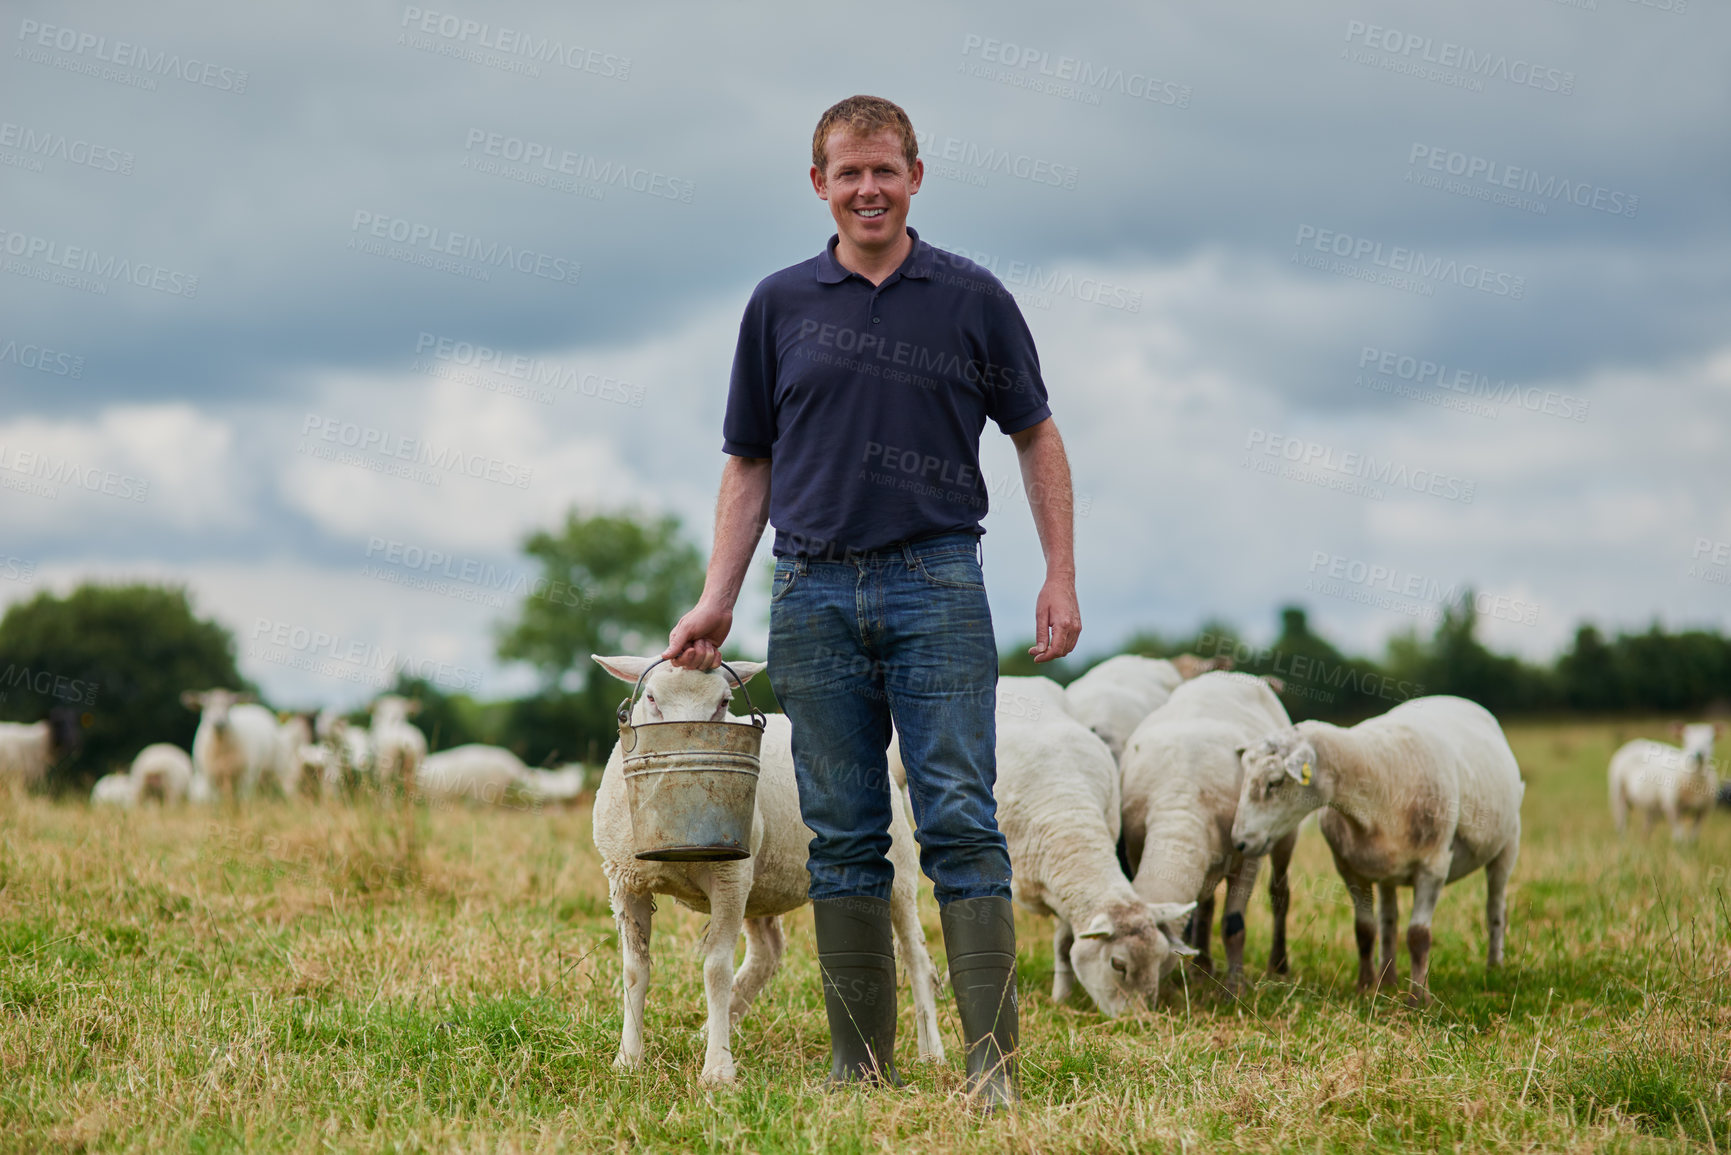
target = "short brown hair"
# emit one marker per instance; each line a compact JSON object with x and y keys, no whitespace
{"x":863,"y":116}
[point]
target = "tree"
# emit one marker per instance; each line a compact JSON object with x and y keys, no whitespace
{"x":611,"y":584}
{"x":120,"y":655}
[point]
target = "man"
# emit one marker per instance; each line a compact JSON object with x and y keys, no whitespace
{"x":861,"y":382}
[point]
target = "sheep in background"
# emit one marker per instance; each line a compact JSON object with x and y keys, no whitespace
{"x":162,"y":772}
{"x":752,"y":893}
{"x":301,"y":765}
{"x":1059,"y":809}
{"x":491,"y":774}
{"x":117,"y":789}
{"x":350,"y":748}
{"x":235,"y":746}
{"x":27,"y":750}
{"x":1656,"y":778}
{"x":1113,"y":697}
{"x":1181,"y":776}
{"x":399,"y":747}
{"x":1420,"y":796}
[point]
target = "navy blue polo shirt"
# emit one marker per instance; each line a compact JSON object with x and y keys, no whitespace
{"x":869,"y":400}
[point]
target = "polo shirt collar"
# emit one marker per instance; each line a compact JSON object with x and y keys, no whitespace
{"x":917,"y":265}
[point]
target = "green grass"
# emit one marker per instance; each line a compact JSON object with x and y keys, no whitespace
{"x":301,"y":978}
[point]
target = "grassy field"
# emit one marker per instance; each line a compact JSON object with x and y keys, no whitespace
{"x":307,"y":979}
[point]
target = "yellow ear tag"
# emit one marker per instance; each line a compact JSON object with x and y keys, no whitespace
{"x":1304,"y":775}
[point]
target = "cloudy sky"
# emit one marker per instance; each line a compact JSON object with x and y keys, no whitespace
{"x":1345,"y":303}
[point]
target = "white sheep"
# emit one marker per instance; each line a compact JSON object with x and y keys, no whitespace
{"x":751,"y":893}
{"x":491,"y":774}
{"x":1420,"y":796}
{"x":1113,"y":697}
{"x":1180,"y":773}
{"x":117,"y":789}
{"x":1059,"y":809}
{"x":27,"y":750}
{"x":350,"y":748}
{"x":162,"y":772}
{"x":236,"y":744}
{"x":1657,"y":778}
{"x":302,"y":767}
{"x":398,"y":745}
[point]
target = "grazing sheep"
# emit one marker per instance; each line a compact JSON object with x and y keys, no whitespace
{"x":162,"y":772}
{"x":399,"y":747}
{"x":301,"y":766}
{"x":350,"y":747}
{"x":1656,"y":778}
{"x":1058,"y":807}
{"x":490,"y":774}
{"x":117,"y":789}
{"x":28,"y":750}
{"x":1180,"y":775}
{"x":752,"y":893}
{"x":1420,"y":796}
{"x":1113,"y":697}
{"x":236,"y":744}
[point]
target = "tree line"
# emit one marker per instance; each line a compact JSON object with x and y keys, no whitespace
{"x":119,"y":655}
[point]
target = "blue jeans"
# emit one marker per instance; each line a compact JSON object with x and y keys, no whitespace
{"x":904,"y":634}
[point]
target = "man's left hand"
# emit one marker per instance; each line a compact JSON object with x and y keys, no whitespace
{"x":1057,"y":619}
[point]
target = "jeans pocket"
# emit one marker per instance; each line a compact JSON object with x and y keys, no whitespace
{"x":952,"y":570}
{"x":786,"y":577}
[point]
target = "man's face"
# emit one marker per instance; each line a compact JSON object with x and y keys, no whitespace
{"x":868,"y":185}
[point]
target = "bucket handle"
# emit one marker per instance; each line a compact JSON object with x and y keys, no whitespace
{"x":630,"y":702}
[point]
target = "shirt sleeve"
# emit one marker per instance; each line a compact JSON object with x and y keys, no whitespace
{"x":1016,"y":399}
{"x":748,"y":429}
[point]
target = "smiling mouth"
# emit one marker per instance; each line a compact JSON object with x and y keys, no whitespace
{"x":869,"y":214}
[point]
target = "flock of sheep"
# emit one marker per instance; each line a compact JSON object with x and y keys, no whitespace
{"x":242,"y":749}
{"x":1126,"y":798}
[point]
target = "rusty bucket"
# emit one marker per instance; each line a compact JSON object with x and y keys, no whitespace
{"x":692,"y":785}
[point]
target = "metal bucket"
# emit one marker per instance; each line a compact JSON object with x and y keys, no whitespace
{"x":692,"y":785}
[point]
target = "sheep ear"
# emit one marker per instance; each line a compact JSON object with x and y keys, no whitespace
{"x":1165,"y":912}
{"x":1304,"y":771}
{"x":1238,"y":751}
{"x":746,"y":670}
{"x":1179,"y":947}
{"x":1276,"y":684}
{"x":192,"y":699}
{"x":626,"y":668}
{"x":1101,"y":927}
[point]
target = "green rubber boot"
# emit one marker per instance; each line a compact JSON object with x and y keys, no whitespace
{"x":856,"y":956}
{"x":980,"y":937}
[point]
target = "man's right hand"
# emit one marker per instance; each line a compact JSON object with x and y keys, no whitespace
{"x":695,"y":643}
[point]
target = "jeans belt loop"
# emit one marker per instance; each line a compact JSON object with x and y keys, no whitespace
{"x":909,"y":556}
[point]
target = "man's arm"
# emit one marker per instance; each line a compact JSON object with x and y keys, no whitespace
{"x":1046,"y":478}
{"x":741,"y":512}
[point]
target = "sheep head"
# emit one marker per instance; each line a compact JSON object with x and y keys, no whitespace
{"x":674,"y":694}
{"x":1125,"y":952}
{"x":1282,"y":781}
